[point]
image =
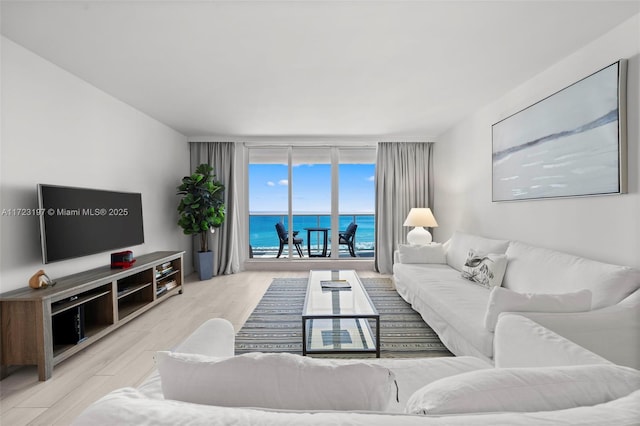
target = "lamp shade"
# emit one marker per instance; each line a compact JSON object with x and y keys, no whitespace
{"x":420,"y":217}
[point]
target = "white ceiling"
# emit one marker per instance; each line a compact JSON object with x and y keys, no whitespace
{"x":308,"y":68}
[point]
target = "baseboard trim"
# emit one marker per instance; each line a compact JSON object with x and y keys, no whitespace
{"x":307,"y":264}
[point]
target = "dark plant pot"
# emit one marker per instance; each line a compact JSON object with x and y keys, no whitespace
{"x":204,"y":264}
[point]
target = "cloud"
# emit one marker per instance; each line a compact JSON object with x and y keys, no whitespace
{"x":271,"y":183}
{"x":283,"y":182}
{"x":371,"y":178}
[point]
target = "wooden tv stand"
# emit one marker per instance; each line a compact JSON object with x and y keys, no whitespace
{"x":46,"y":326}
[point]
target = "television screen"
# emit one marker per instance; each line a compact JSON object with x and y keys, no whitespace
{"x":80,"y":221}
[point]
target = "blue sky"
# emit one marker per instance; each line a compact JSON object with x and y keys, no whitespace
{"x":268,"y":188}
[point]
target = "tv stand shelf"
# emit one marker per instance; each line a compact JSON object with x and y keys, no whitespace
{"x":46,"y":326}
{"x":64,"y":306}
{"x":130,"y":290}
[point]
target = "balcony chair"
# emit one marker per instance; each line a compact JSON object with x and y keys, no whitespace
{"x":348,"y":238}
{"x":283,"y":235}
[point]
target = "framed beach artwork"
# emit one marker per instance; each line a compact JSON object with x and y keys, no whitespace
{"x":572,"y":143}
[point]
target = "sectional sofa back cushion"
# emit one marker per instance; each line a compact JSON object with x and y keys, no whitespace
{"x":539,"y":270}
{"x":460,"y":243}
{"x":505,"y":300}
{"x":275,"y":380}
{"x":524,"y":389}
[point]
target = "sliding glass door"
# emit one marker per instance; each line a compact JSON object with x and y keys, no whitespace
{"x":311,"y":198}
{"x":268,"y":202}
{"x":356,"y":189}
{"x":313,"y":194}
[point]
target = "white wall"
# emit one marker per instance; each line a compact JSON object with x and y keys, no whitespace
{"x":58,"y":129}
{"x":605,"y":228}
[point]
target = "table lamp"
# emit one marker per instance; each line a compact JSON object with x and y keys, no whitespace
{"x":419,"y":217}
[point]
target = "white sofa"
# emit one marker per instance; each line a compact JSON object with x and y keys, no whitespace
{"x":620,"y":392}
{"x":456,"y":307}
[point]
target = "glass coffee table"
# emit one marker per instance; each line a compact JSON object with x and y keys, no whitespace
{"x":337,"y":315}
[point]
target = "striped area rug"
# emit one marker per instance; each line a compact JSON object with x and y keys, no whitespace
{"x":276,"y":325}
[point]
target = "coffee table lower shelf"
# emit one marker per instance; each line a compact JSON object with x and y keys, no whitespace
{"x":331,"y":335}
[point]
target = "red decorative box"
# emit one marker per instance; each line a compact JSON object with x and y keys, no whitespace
{"x":122,"y":259}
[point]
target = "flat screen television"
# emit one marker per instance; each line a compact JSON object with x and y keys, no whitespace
{"x":77,"y":222}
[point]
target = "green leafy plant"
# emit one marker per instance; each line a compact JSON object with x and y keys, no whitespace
{"x":202,"y":205}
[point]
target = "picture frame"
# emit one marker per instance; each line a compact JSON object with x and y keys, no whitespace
{"x":572,"y":143}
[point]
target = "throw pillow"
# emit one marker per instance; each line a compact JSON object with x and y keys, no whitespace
{"x":486,"y":270}
{"x":524,"y":389}
{"x":432,"y":253}
{"x":275,"y":380}
{"x":458,"y":247}
{"x":504,"y":300}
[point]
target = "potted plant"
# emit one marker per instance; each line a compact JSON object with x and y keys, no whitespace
{"x":201,"y":210}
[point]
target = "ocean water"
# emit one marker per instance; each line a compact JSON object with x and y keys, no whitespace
{"x":263,"y":235}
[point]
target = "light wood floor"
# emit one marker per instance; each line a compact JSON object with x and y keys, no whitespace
{"x":125,"y":357}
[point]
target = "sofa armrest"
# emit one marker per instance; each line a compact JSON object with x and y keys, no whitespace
{"x":521,"y":342}
{"x":215,"y":337}
{"x":423,"y":254}
{"x":612,"y":332}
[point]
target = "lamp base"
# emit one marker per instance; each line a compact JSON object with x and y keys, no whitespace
{"x":419,"y":236}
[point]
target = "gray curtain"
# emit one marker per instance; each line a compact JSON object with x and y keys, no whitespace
{"x":404,"y":179}
{"x":224,"y":242}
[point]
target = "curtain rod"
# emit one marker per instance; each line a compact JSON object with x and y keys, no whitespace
{"x":308,"y":145}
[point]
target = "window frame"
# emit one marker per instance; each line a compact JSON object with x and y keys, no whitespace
{"x":370,"y":151}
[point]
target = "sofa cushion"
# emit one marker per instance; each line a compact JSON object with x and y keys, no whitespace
{"x":525,"y":389}
{"x":460,"y":243}
{"x":486,"y":270}
{"x":539,"y":270}
{"x":127,"y":406}
{"x":521,"y":342}
{"x":413,"y":373}
{"x":274,"y":380}
{"x":505,"y":300}
{"x":432,"y":253}
{"x":461,"y":304}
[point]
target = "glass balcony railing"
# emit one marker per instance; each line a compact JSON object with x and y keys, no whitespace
{"x":264,"y":241}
